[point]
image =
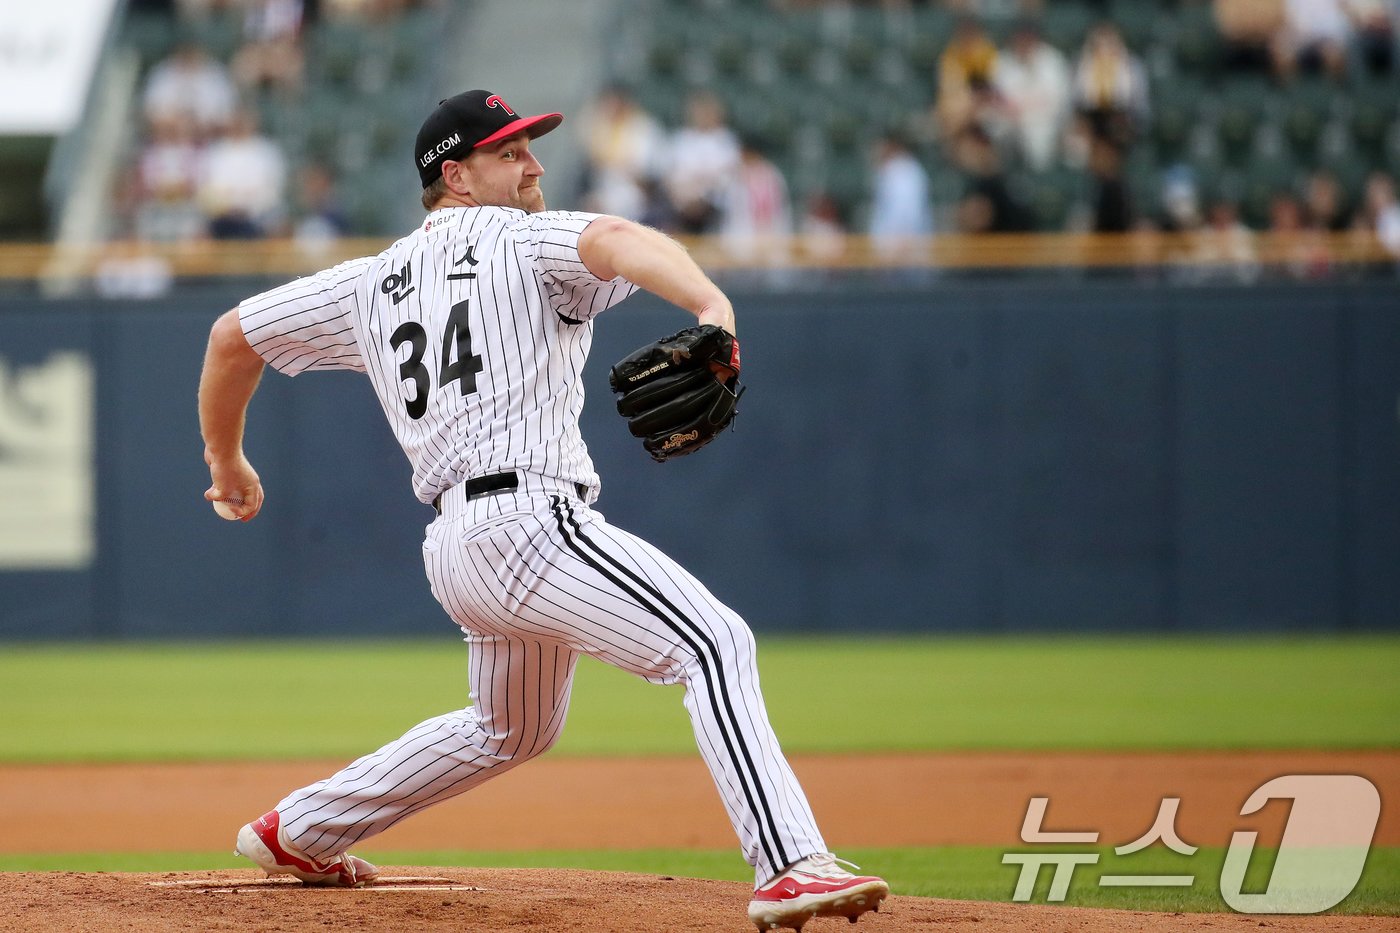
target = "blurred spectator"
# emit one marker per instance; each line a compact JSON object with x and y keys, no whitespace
{"x":190,"y":87}
{"x":1298,"y":252}
{"x":1181,"y":201}
{"x":1324,"y":203}
{"x":241,"y":180}
{"x":129,"y":269}
{"x":168,"y":163}
{"x":1180,"y":204}
{"x":1373,"y":31}
{"x":1253,"y":33}
{"x":1380,"y":212}
{"x":1285,"y":213}
{"x":1317,"y":37}
{"x":1112,"y":205}
{"x":271,"y":54}
{"x":986,"y":205}
{"x":822,"y":229}
{"x":657,"y":210}
{"x":320,"y":219}
{"x":1110,"y":87}
{"x":167,"y":177}
{"x":965,"y":87}
{"x":1227,"y":245}
{"x":624,"y":146}
{"x":899,"y":209}
{"x":756,"y":213}
{"x":701,"y":158}
{"x":1032,"y":81}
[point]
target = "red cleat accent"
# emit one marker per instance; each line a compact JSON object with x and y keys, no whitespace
{"x":815,"y":886}
{"x":261,"y":841}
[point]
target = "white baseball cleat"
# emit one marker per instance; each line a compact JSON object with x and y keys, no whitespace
{"x":815,"y":886}
{"x":261,"y":841}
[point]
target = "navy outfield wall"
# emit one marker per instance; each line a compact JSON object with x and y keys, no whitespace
{"x":958,"y":457}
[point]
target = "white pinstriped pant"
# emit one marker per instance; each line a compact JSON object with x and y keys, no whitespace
{"x":535,"y":578}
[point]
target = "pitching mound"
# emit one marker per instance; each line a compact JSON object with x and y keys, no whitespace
{"x":458,"y":899}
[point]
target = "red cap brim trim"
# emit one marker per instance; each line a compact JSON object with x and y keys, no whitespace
{"x":536,"y":126}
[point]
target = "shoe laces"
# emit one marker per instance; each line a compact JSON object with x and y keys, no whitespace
{"x":825,"y":862}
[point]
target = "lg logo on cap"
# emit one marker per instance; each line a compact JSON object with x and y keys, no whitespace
{"x":495,"y":101}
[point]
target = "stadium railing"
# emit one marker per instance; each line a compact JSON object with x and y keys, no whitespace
{"x":41,"y":262}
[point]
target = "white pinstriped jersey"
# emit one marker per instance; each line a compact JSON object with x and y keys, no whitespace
{"x":473,"y":329}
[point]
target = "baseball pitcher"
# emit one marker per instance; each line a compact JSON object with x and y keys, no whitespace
{"x":474,"y":330}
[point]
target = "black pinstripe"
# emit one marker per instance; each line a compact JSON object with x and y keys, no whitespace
{"x":441,"y":757}
{"x":712,"y":667}
{"x":535,"y":590}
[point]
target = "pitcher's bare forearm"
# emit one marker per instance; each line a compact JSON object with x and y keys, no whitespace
{"x":232,"y":370}
{"x":653,"y":261}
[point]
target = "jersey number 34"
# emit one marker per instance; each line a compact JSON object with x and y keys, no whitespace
{"x":456,"y":342}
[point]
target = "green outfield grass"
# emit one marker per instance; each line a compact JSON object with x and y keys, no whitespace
{"x":75,"y":702}
{"x":956,"y":872}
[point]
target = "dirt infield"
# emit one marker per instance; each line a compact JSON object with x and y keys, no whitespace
{"x":638,"y":803}
{"x":460,"y":899}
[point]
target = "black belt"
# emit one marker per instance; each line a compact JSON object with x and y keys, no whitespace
{"x":495,"y":482}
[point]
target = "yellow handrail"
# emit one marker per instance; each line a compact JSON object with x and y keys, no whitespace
{"x":286,"y":258}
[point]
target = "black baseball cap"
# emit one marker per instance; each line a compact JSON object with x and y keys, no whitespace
{"x":466,"y":121}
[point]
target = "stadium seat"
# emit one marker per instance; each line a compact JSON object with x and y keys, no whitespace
{"x":1243,"y":108}
{"x":1064,"y":25}
{"x":1144,"y":180}
{"x":1176,"y":111}
{"x":664,"y":57}
{"x":1306,"y":110}
{"x":795,"y":54}
{"x":859,"y":57}
{"x":417,"y":28}
{"x":1351,"y":171}
{"x":336,"y":50}
{"x":1375,"y":110}
{"x":1137,"y":22}
{"x":761,"y":118}
{"x":1196,"y":46}
{"x":931,"y":28}
{"x":729,"y":56}
{"x":933,"y":22}
{"x":1254,"y":203}
{"x":151,"y":35}
{"x":844,"y":131}
{"x":848,"y":181}
{"x":403,"y":65}
{"x":1053,"y":195}
{"x":1275,"y":170}
{"x":220,"y":33}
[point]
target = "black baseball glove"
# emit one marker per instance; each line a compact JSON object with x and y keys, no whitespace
{"x":680,"y":391}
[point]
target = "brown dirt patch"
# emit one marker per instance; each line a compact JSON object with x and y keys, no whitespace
{"x":513,"y":899}
{"x":568,"y":803}
{"x":575,"y":803}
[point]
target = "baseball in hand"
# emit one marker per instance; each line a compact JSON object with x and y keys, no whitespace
{"x":225,"y":508}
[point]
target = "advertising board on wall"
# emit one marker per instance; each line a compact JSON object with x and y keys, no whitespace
{"x":48,"y":52}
